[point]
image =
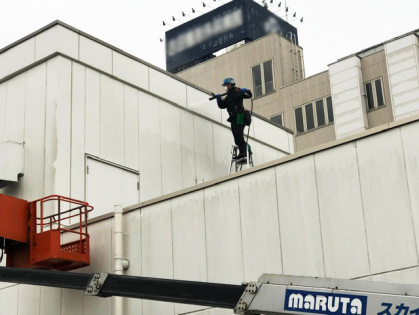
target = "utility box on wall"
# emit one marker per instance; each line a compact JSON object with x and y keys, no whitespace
{"x":11,"y":162}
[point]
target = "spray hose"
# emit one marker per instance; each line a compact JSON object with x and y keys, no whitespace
{"x":251,"y":115}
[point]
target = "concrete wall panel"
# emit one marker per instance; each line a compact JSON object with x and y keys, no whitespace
{"x":156,"y":240}
{"x":291,"y":148}
{"x":171,"y":155}
{"x":347,"y":89}
{"x":341,"y":213}
{"x":132,"y":252}
{"x":401,"y":43}
{"x":269,"y":133}
{"x":157,"y":255}
{"x":92,"y":115}
{"x":411,"y":159}
{"x":101,"y":259}
{"x":222,"y":150}
{"x":17,"y":57}
{"x":78,"y":97}
{"x":166,"y":87}
{"x":112,"y":128}
{"x":131,"y":134}
{"x":386,"y":202}
{"x":402,"y":65}
{"x":15,"y":109}
{"x":95,"y":54}
{"x":57,"y":38}
{"x":259,"y":221}
{"x":100,"y":247}
{"x":409,"y":84}
{"x":28,"y":300}
{"x":58,"y":127}
{"x":130,"y":70}
{"x":204,"y":150}
{"x":133,"y":306}
{"x":269,"y":154}
{"x":132,"y":244}
{"x":302,"y":250}
{"x":189,"y":244}
{"x":188,"y":149}
{"x":71,"y":302}
{"x":149,"y":146}
{"x":32,"y":182}
{"x":51,"y":303}
{"x":9,"y":296}
{"x":223,"y":233}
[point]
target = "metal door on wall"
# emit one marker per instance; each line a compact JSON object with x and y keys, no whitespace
{"x":109,"y":184}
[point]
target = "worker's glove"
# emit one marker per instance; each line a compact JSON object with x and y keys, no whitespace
{"x":245,"y":91}
{"x":218,"y":97}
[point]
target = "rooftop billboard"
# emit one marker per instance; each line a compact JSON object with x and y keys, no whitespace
{"x":195,"y":41}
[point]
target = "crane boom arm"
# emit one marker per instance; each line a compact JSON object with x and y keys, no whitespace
{"x":167,"y":290}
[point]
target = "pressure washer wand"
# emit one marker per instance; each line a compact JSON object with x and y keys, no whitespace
{"x":213,"y":96}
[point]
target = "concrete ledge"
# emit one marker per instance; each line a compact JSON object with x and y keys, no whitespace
{"x":286,"y":159}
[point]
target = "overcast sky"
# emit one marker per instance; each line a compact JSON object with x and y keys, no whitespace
{"x":332,"y":29}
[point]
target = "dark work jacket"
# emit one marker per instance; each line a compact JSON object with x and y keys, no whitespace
{"x":233,"y":102}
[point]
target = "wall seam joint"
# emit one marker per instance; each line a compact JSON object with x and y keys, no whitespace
{"x":363,"y":208}
{"x":318,"y":209}
{"x":408,"y":192}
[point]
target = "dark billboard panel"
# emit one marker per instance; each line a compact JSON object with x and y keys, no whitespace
{"x":196,"y":41}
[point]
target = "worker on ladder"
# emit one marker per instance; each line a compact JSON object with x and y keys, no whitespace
{"x":238,"y":117}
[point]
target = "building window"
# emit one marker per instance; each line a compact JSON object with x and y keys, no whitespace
{"x":277,"y":119}
{"x":314,"y":115}
{"x":309,"y":116}
{"x":321,"y":120}
{"x":299,"y":120}
{"x":263,"y":78}
{"x":374,"y":94}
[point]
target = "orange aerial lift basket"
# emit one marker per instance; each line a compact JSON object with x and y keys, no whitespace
{"x":48,"y":233}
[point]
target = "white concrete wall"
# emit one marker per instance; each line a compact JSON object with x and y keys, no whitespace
{"x":346,"y":212}
{"x":350,"y":211}
{"x":63,"y":110}
{"x":402,"y":58}
{"x":147,"y":121}
{"x":62,"y":39}
{"x":347,"y":89}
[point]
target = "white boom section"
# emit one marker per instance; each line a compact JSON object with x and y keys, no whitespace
{"x":278,"y":294}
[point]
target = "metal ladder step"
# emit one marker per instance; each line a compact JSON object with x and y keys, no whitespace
{"x":238,"y":163}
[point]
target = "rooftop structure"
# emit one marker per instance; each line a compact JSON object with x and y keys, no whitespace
{"x":375,"y":86}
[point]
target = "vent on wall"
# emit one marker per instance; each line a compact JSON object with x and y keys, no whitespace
{"x":11,"y":162}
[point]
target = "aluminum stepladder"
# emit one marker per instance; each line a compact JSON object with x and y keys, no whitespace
{"x":238,"y":163}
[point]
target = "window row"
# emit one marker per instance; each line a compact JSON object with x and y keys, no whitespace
{"x":318,"y":113}
{"x":314,"y":115}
